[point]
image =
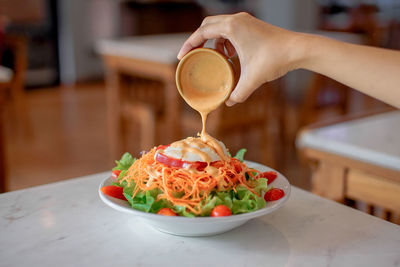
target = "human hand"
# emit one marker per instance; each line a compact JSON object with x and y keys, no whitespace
{"x":265,"y":52}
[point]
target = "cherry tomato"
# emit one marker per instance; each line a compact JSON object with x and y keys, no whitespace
{"x":113,"y":191}
{"x":274,"y":194}
{"x":221,"y":210}
{"x":271,"y":176}
{"x":166,"y":212}
{"x":115,"y":174}
{"x":173,"y":162}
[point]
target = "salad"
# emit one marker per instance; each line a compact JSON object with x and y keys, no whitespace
{"x":188,"y":178}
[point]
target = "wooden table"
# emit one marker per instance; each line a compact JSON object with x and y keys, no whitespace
{"x":152,"y":57}
{"x":66,"y":224}
{"x":357,"y":159}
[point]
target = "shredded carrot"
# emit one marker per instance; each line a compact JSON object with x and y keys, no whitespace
{"x":192,"y":187}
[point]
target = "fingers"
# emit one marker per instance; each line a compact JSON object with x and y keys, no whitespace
{"x":213,"y":19}
{"x":241,"y":92}
{"x":219,"y":45}
{"x":212,"y":28}
{"x":230,"y":48}
{"x":201,"y":35}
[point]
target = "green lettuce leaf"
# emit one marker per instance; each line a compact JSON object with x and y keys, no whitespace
{"x":124,"y":163}
{"x":241,"y":201}
{"x":181,"y":211}
{"x":240,"y":154}
{"x":144,"y":201}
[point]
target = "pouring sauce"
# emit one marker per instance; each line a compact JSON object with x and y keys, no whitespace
{"x":204,"y":79}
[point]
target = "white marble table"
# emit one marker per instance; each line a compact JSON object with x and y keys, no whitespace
{"x":359,"y":160}
{"x":162,"y":48}
{"x":66,"y":224}
{"x":374,"y":139}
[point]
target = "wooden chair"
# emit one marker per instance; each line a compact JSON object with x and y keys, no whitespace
{"x":144,"y":109}
{"x":15,"y":88}
{"x":145,"y":121}
{"x":323,"y":95}
{"x":243,"y":125}
{"x":5,"y":81}
{"x":12,"y":86}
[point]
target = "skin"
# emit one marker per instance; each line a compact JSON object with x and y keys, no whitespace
{"x":267,"y":52}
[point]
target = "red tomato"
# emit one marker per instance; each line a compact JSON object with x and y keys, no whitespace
{"x":115,"y":174}
{"x":161,"y":147}
{"x":271,"y":176}
{"x":173,"y":162}
{"x":274,"y":194}
{"x":113,"y":191}
{"x":166,"y":212}
{"x":221,"y":210}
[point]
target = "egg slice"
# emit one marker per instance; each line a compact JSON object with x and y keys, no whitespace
{"x":189,"y":155}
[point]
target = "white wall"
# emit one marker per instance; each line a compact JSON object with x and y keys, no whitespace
{"x":81,"y":24}
{"x":288,"y":14}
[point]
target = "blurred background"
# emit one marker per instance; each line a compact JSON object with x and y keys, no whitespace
{"x":82,"y":81}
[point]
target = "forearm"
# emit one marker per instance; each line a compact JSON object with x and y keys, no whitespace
{"x":373,"y":71}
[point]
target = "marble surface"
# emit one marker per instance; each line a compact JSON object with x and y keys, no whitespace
{"x":66,"y":224}
{"x":374,"y":139}
{"x":161,"y":48}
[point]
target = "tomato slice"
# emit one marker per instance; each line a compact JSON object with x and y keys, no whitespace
{"x":162,"y":147}
{"x":271,"y":176}
{"x":274,"y":194}
{"x":166,"y":212}
{"x":113,"y":191}
{"x":115,"y":174}
{"x":174,"y":162}
{"x":221,"y":210}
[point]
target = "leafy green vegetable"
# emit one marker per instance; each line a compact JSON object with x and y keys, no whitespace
{"x":181,"y":211}
{"x":240,"y":201}
{"x":240,"y":154}
{"x":124,"y":163}
{"x":145,"y":201}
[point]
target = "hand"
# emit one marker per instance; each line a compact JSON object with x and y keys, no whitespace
{"x":265,"y":52}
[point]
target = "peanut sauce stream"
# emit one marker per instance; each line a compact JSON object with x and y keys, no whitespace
{"x":205,"y":81}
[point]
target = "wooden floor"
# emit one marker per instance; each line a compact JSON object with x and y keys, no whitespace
{"x":67,"y":137}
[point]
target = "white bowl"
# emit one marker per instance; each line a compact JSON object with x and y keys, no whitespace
{"x":200,"y":226}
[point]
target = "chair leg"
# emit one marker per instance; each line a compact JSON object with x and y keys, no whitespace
{"x":3,"y":181}
{"x":17,"y":86}
{"x":147,"y":121}
{"x":20,"y":109}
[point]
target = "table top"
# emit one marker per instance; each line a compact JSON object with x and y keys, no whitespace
{"x":373,"y":139}
{"x":162,"y":48}
{"x":66,"y":224}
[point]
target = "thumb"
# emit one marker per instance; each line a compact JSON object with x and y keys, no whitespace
{"x":244,"y":88}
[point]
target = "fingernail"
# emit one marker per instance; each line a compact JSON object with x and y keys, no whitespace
{"x":229,"y":103}
{"x":179,"y":54}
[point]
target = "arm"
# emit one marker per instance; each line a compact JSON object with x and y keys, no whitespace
{"x":267,"y":52}
{"x":373,"y":71}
